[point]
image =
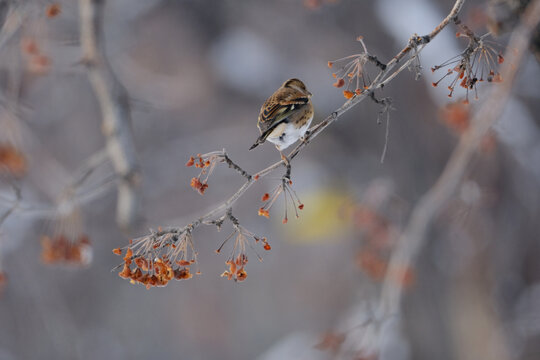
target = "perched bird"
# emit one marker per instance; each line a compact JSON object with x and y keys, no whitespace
{"x":285,"y":116}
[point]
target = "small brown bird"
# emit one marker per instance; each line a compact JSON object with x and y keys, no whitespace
{"x":285,"y":116}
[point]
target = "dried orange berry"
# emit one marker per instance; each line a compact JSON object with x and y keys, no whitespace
{"x":263,"y":212}
{"x":12,"y":160}
{"x":267,"y":246}
{"x":53,"y":10}
{"x":456,"y":116}
{"x":348,"y":94}
{"x":339,"y":83}
{"x":126,"y":272}
{"x":232,"y":266}
{"x":182,"y":274}
{"x":265,"y":197}
{"x":190,"y":162}
{"x":330,"y":64}
{"x":256,"y":177}
{"x":500,"y":59}
{"x":29,"y":46}
{"x":241,"y":275}
{"x":183,"y":263}
{"x":301,"y":206}
{"x":117,"y":251}
{"x":142,"y":263}
{"x":285,"y":220}
{"x":127,"y":258}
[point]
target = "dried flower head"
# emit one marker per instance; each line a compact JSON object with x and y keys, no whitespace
{"x":238,"y":258}
{"x":375,"y":218}
{"x":29,"y":46}
{"x":477,"y":63}
{"x":206,"y":163}
{"x":53,"y":10}
{"x":378,"y":236}
{"x":351,"y":71}
{"x":372,"y":264}
{"x":285,"y":188}
{"x":12,"y":161}
{"x":68,"y":244}
{"x":60,"y":249}
{"x":456,"y":116}
{"x":158,"y":258}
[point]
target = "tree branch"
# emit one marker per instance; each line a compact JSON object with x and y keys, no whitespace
{"x":162,"y":237}
{"x":114,"y":103}
{"x":429,"y":206}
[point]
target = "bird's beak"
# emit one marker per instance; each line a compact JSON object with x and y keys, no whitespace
{"x":309,"y":94}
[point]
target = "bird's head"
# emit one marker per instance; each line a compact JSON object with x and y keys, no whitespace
{"x":297,"y":85}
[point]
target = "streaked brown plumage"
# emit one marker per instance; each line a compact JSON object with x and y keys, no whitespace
{"x":285,"y":116}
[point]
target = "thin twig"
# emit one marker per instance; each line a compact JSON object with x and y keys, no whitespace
{"x":232,"y":165}
{"x":386,"y":136}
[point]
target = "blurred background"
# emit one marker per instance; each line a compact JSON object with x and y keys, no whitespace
{"x":197,"y":73}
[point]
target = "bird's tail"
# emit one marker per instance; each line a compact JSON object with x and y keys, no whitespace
{"x":255,"y":145}
{"x":259,"y":141}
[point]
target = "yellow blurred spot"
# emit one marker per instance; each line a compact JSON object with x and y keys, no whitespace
{"x":325,"y":217}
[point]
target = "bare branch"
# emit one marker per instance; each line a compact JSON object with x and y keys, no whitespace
{"x":429,"y":206}
{"x":114,"y":102}
{"x":215,"y":215}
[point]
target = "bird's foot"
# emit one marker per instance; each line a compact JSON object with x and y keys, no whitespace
{"x":305,"y":139}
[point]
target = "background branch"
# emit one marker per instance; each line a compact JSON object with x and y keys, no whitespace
{"x":114,"y":103}
{"x":431,"y":204}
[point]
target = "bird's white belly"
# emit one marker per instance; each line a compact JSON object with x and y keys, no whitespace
{"x":285,"y":134}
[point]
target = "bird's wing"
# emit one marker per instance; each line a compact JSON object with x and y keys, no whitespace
{"x":279,"y":107}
